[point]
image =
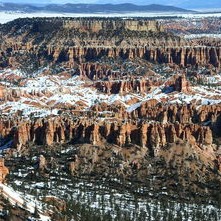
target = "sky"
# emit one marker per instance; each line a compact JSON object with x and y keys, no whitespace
{"x":189,"y":4}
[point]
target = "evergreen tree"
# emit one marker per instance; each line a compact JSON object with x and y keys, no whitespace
{"x":36,"y":213}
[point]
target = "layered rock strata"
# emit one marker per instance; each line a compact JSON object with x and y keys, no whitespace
{"x":72,"y":41}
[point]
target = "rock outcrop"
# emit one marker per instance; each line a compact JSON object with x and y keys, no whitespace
{"x":150,"y":125}
{"x":73,"y":41}
{"x":91,"y":25}
{"x":182,"y":85}
{"x":148,"y":135}
{"x":3,"y":170}
{"x":124,"y":86}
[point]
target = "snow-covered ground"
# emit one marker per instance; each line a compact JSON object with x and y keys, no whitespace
{"x":16,"y":198}
{"x":108,"y":199}
{"x":9,"y":16}
{"x":44,"y":95}
{"x":192,"y":36}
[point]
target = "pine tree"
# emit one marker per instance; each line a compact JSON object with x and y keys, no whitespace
{"x":36,"y":213}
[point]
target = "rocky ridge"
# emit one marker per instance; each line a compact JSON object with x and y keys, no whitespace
{"x":39,"y":39}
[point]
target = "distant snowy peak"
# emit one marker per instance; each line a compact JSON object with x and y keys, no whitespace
{"x":17,"y":7}
{"x":90,"y":8}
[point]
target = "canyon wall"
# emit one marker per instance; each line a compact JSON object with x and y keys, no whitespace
{"x":197,"y":55}
{"x":60,"y":40}
{"x":158,"y":126}
{"x":150,"y":135}
{"x":92,"y":26}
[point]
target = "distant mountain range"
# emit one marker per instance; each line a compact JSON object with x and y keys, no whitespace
{"x":90,"y":8}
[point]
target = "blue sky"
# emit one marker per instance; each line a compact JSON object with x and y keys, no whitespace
{"x":200,"y":4}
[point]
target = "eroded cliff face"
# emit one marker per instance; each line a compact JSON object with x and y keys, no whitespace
{"x":98,"y":25}
{"x":195,"y":55}
{"x":159,"y":127}
{"x":72,"y":41}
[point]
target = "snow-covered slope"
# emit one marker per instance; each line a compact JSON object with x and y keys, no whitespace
{"x":16,"y":199}
{"x":44,"y":95}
